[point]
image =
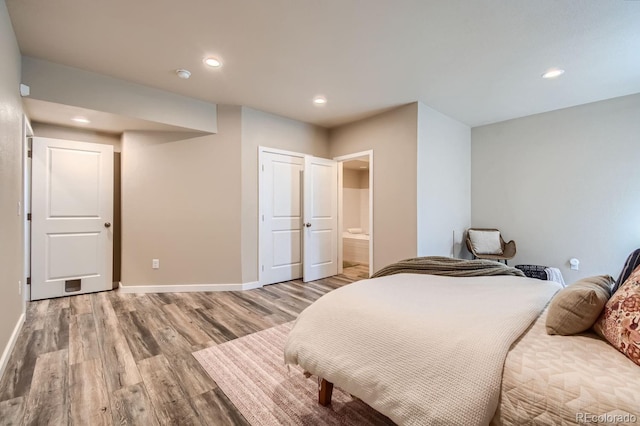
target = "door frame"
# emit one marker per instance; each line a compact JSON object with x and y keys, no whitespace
{"x":340,"y":160}
{"x":261,"y":151}
{"x":25,"y":210}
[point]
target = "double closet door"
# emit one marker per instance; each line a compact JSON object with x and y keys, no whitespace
{"x":298,"y":217}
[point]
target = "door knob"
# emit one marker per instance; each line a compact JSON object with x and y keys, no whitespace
{"x":308,"y":225}
{"x":107,"y":224}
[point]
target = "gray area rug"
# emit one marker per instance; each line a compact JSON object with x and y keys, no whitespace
{"x":251,"y":372}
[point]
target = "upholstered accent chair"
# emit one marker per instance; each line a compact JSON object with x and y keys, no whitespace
{"x":487,"y":243}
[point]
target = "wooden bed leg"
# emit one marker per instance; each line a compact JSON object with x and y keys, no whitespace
{"x":324,"y":396}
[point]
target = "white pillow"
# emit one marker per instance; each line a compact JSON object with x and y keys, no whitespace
{"x":485,"y":242}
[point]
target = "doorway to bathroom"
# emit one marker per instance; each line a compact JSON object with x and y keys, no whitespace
{"x":355,"y":214}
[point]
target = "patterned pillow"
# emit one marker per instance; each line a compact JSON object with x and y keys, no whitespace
{"x":633,"y":261}
{"x":619,"y":322}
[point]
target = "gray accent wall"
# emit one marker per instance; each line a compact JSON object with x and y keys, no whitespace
{"x":563,"y":184}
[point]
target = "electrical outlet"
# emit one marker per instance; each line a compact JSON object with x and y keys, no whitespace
{"x":575,"y":264}
{"x":155,"y":263}
{"x":19,"y":287}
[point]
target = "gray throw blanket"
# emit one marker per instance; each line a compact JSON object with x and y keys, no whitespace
{"x":447,"y":266}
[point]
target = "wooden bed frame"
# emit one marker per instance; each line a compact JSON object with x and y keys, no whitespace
{"x":324,"y":394}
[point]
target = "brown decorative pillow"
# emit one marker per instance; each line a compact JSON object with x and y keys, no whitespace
{"x":575,"y":308}
{"x":620,"y":319}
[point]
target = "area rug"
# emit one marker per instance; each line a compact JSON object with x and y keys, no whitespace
{"x":251,"y":372}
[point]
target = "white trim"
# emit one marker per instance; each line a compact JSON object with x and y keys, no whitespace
{"x":371,"y":271}
{"x":251,"y":285}
{"x":260,"y":205}
{"x":186,"y":288}
{"x":27,"y":133}
{"x":340,"y":215}
{"x":11,"y":344}
{"x":371,"y":240}
{"x":355,"y":155}
{"x":262,"y":149}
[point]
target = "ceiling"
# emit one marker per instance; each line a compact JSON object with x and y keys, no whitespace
{"x":477,"y":61}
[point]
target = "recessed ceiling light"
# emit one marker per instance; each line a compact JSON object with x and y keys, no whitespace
{"x":213,"y":62}
{"x":182,"y":73}
{"x":320,"y":100}
{"x":82,"y":120}
{"x":553,"y":73}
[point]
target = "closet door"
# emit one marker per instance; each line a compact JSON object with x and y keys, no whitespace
{"x":320,"y":218}
{"x":292,"y":186}
{"x":281,"y":217}
{"x":72,"y":212}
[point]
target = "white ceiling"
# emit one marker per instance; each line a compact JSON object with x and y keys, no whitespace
{"x":478,"y":61}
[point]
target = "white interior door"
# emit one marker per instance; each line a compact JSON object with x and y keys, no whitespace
{"x":281,"y":206}
{"x":320,"y":218}
{"x":72,"y":211}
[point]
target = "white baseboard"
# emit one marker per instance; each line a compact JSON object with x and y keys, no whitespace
{"x":10,"y":344}
{"x":184,"y":288}
{"x":251,"y":285}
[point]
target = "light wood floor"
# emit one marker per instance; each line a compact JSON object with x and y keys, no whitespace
{"x":113,"y":358}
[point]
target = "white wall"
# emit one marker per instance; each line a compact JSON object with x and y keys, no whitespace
{"x":364,"y":210}
{"x":355,"y":199}
{"x":563,"y":184}
{"x":11,"y":238}
{"x":444,"y":183}
{"x":351,"y":208}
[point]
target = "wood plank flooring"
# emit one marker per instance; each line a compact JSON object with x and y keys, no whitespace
{"x":125,"y":359}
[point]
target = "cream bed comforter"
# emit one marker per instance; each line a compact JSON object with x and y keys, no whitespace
{"x":567,"y":380}
{"x":421,"y":349}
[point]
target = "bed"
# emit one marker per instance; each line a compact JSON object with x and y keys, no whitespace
{"x":553,"y":380}
{"x":462,"y":349}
